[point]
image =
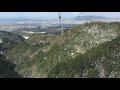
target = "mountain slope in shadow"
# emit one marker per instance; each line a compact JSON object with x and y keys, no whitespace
{"x":7,"y":69}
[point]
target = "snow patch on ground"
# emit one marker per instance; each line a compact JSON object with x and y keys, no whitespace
{"x":25,"y":37}
{"x":1,"y":41}
{"x":42,"y":32}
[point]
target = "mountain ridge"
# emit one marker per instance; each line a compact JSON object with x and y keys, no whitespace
{"x":91,"y":18}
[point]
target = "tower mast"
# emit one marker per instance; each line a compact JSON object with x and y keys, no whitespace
{"x":60,"y":26}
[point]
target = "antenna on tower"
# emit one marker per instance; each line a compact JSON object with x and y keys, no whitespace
{"x":59,"y":15}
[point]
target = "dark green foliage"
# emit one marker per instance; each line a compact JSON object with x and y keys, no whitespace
{"x":7,"y":69}
{"x":57,"y":56}
{"x":87,"y":61}
{"x":9,"y":40}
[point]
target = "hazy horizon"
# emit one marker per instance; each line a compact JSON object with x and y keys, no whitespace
{"x":54,"y":15}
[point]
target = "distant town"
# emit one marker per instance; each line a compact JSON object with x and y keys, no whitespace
{"x":13,"y":25}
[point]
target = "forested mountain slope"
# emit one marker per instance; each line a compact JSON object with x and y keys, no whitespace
{"x":71,"y":54}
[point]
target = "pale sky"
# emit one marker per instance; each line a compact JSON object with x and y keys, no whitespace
{"x":55,"y":14}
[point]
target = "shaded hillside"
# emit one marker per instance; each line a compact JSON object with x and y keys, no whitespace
{"x":48,"y":56}
{"x":7,"y":69}
{"x":7,"y":40}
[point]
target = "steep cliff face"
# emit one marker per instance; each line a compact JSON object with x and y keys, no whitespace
{"x":77,"y":53}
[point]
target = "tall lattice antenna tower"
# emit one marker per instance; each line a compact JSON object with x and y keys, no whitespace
{"x":60,"y":26}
